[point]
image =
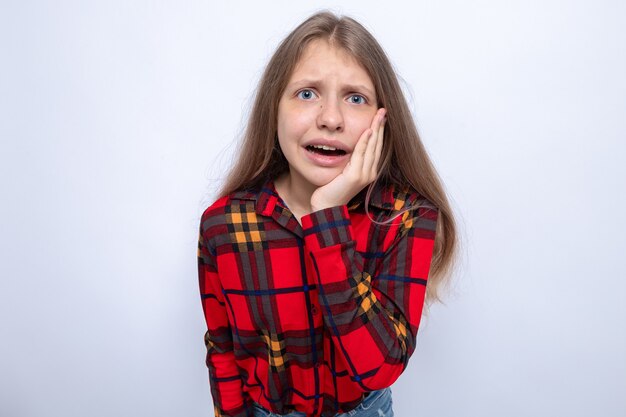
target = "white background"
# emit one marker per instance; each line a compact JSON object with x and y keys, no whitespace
{"x":117,"y":117}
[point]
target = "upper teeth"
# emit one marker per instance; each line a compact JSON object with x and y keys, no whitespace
{"x":326,"y":148}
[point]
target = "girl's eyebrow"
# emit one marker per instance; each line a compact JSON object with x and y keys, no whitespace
{"x":347,"y":87}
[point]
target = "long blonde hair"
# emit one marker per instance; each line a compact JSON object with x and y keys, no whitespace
{"x":405,"y":162}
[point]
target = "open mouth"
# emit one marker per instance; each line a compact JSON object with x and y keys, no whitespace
{"x":325,"y":150}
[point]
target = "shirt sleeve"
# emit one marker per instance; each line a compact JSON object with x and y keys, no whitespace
{"x":373,"y":315}
{"x":225,"y":380}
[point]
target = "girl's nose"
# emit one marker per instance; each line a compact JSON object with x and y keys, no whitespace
{"x":330,"y":116}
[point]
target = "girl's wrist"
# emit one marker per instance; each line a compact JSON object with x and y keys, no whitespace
{"x":323,"y":206}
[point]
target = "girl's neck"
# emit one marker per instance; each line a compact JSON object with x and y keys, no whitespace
{"x":296,"y":194}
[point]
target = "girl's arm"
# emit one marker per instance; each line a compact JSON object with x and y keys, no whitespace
{"x":226,"y":383}
{"x":373,"y":319}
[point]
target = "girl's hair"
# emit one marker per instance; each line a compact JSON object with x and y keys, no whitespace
{"x":405,"y":162}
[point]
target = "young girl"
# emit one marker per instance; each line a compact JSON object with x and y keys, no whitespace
{"x":330,"y":233}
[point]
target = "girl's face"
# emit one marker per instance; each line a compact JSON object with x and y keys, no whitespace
{"x":328,"y":103}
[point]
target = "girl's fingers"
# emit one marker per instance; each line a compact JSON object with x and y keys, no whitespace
{"x":370,"y":152}
{"x":356,"y":161}
{"x":379,"y":146}
{"x":364,"y":161}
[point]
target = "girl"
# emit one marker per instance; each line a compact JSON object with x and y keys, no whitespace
{"x":330,"y":233}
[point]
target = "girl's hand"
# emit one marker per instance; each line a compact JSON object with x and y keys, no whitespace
{"x":361,"y":170}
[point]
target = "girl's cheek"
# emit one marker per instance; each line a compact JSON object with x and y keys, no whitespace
{"x":305,"y":119}
{"x":363,"y":122}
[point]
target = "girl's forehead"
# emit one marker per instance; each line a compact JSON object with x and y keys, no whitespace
{"x":320,"y":55}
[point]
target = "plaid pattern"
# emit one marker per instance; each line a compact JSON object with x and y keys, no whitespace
{"x":310,"y":317}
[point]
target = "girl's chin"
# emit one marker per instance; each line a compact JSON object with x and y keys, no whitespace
{"x":315,"y":177}
{"x":322,"y":180}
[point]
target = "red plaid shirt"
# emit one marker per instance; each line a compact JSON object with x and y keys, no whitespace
{"x":309,"y":318}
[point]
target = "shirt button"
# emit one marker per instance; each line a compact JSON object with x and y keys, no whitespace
{"x":318,"y":364}
{"x":314,"y":310}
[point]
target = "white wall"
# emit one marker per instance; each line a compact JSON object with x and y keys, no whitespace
{"x":115,"y":117}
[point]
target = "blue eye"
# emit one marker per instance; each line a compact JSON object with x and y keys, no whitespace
{"x":357,"y":99}
{"x":306,"y":94}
